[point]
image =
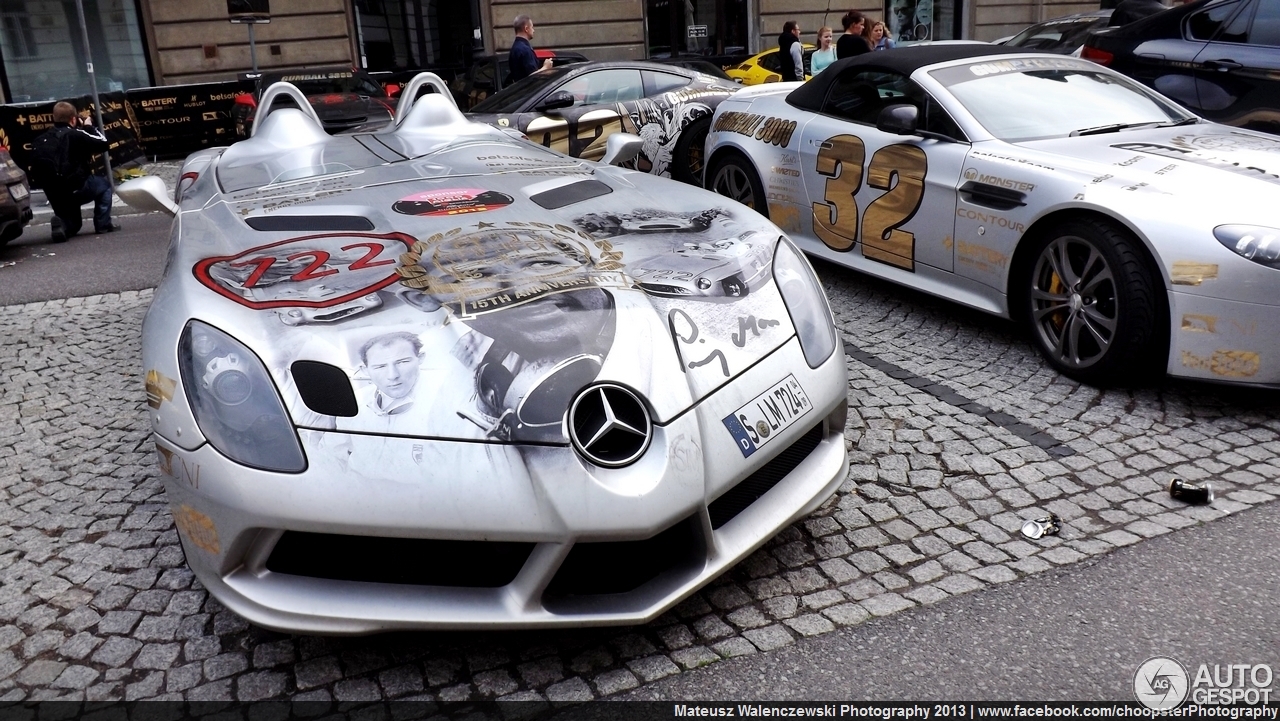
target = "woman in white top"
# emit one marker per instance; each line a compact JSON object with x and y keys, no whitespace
{"x":826,"y":52}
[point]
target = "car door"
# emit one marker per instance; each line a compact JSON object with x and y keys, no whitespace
{"x":881,"y":201}
{"x":1238,"y":70}
{"x":582,"y":129}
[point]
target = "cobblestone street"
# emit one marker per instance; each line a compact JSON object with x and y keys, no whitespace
{"x":958,"y":433}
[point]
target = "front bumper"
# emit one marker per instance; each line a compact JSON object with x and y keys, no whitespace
{"x":563,"y":514}
{"x":1224,"y":340}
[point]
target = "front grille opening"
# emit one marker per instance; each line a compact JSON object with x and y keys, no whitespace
{"x":750,"y":489}
{"x":611,"y":567}
{"x":408,"y":561}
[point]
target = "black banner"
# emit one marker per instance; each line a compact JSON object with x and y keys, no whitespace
{"x":181,"y":119}
{"x":20,"y":124}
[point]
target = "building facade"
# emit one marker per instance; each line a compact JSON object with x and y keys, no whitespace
{"x":141,"y":43}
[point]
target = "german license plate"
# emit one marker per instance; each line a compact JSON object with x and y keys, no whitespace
{"x":18,"y":192}
{"x":767,"y":415}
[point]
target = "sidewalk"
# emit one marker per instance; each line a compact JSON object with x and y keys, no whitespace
{"x":166,"y":170}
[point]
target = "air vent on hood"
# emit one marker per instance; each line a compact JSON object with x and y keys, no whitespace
{"x":309,"y":222}
{"x":324,"y":388}
{"x":570,"y":194}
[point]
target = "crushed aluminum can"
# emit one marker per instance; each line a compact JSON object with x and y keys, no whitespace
{"x":1037,"y":527}
{"x":1191,"y":492}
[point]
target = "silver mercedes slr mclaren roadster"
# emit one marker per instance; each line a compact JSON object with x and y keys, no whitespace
{"x":441,"y":377}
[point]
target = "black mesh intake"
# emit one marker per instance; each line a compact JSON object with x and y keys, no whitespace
{"x":410,"y":561}
{"x":751,"y":488}
{"x":324,"y":388}
{"x":611,"y":567}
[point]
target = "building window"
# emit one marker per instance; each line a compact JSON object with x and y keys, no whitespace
{"x":19,"y":41}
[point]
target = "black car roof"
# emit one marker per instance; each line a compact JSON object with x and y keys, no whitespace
{"x":901,"y":60}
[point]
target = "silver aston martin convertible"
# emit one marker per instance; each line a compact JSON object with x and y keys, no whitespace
{"x":440,"y":377}
{"x":1129,"y":236}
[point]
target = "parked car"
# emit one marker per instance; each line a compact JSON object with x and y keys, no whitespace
{"x":695,"y":63}
{"x":574,"y":109}
{"x":1125,"y":233}
{"x":489,"y":74}
{"x":15,"y":203}
{"x":345,"y":99}
{"x":766,"y":67}
{"x":420,"y":386}
{"x":1219,"y":58}
{"x":1063,"y":36}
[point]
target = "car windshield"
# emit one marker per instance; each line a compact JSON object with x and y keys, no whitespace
{"x":513,"y":97}
{"x":1030,"y":98}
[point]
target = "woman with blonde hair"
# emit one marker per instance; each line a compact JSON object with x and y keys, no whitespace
{"x":878,"y":36}
{"x":826,"y":52}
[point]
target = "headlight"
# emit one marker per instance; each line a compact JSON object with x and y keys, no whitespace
{"x":806,"y":303}
{"x":1255,"y":242}
{"x":235,"y":402}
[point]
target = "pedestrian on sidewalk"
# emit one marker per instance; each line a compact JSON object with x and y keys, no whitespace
{"x":789,"y":53}
{"x":852,"y":42}
{"x":60,"y":163}
{"x":521,"y":59}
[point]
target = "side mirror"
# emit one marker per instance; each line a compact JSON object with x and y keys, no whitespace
{"x":147,"y":194}
{"x":621,"y":148}
{"x":898,"y":119}
{"x":555,"y":101}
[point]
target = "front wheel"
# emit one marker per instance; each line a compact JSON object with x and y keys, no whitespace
{"x":733,"y":177}
{"x":689,"y":161}
{"x":1090,"y":302}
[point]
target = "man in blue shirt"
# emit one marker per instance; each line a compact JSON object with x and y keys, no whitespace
{"x":521,"y":59}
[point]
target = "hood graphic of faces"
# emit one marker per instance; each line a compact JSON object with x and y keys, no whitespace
{"x":539,"y":293}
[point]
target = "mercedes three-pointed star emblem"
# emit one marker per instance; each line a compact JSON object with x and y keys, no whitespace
{"x":609,"y":425}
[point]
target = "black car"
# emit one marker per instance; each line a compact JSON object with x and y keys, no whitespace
{"x":15,"y":198}
{"x":489,"y":74}
{"x":1064,"y":35}
{"x":343,"y":98}
{"x":575,"y":108}
{"x":1220,"y":58}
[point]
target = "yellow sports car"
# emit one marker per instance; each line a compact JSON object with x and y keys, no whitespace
{"x":766,"y":67}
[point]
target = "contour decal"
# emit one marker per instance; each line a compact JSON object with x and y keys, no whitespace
{"x":659,"y":126}
{"x":452,"y":201}
{"x":1196,"y":323}
{"x":313,"y":271}
{"x":159,"y":388}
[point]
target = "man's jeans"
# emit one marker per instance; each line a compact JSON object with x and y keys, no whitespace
{"x":67,"y":207}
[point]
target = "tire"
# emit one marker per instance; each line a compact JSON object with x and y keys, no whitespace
{"x":733,"y":177}
{"x":1090,"y":302}
{"x":690,"y":161}
{"x":11,"y":232}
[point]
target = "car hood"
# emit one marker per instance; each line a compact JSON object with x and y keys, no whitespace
{"x":1227,"y":169}
{"x":472,"y":291}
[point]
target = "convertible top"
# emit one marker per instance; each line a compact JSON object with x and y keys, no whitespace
{"x":903,"y":60}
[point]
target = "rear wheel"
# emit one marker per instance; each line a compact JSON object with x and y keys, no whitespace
{"x":1090,"y":302}
{"x":690,"y":162}
{"x":733,"y":177}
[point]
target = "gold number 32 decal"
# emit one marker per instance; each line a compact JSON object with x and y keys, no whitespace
{"x":835,"y":221}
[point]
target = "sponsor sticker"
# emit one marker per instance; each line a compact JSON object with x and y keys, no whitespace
{"x":18,"y":191}
{"x":768,"y":414}
{"x":451,"y":201}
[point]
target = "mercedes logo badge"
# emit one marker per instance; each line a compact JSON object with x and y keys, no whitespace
{"x":609,"y":425}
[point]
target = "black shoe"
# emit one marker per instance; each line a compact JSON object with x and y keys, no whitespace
{"x":58,"y":233}
{"x":109,"y":229}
